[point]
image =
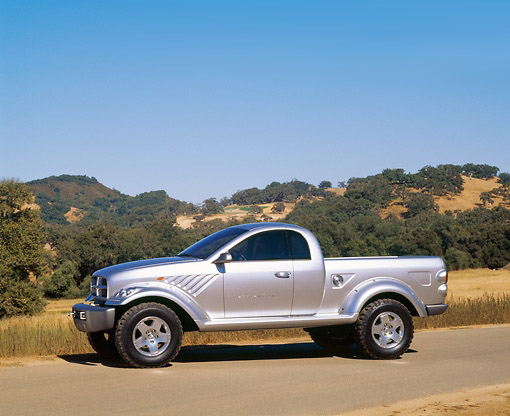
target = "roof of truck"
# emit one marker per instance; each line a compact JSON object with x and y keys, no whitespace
{"x":263,"y":225}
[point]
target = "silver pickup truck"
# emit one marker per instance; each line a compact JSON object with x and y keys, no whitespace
{"x":260,"y":276}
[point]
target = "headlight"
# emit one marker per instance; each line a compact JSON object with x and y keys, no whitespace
{"x":124,"y":293}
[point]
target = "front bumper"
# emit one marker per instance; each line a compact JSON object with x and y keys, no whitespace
{"x":436,"y":309}
{"x":90,"y":318}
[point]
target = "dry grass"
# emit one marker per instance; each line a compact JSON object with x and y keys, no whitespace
{"x":337,"y":191}
{"x":473,"y":283}
{"x":477,"y":297}
{"x":46,"y":334}
{"x":485,"y":310}
{"x":394,"y":209}
{"x":61,"y":305}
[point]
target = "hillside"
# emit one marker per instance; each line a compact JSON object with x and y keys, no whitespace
{"x":73,"y":187}
{"x":68,"y":199}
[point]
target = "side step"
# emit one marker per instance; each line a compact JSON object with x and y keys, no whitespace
{"x":308,"y":321}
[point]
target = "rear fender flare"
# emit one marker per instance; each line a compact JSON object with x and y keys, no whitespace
{"x":374,"y":287}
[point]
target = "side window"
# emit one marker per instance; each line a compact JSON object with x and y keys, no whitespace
{"x":299,"y":249}
{"x":269,"y":245}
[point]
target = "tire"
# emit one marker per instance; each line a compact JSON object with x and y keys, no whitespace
{"x":148,"y":335}
{"x":384,"y":329}
{"x":103,"y":343}
{"x":333,"y":338}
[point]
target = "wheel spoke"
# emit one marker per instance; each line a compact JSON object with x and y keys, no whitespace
{"x":163,"y":337}
{"x":140,"y":343}
{"x":377,"y":326}
{"x":397,"y":323}
{"x":157,"y":324}
{"x":385,"y":319}
{"x":396,"y":337}
{"x":153,"y":347}
{"x":143,"y":327}
{"x":383,"y":340}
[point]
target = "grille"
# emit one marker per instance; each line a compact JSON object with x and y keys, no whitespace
{"x":99,"y":287}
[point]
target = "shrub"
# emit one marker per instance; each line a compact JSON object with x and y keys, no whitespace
{"x":278,"y":207}
{"x":504,"y":178}
{"x":211,"y":206}
{"x":418,"y":203}
{"x":18,"y":297}
{"x":85,"y":286}
{"x":457,"y":259}
{"x":62,"y":283}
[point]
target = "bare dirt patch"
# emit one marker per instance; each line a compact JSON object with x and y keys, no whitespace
{"x":484,"y":401}
{"x":74,"y":215}
{"x":24,"y":361}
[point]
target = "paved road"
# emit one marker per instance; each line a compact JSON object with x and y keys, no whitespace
{"x":285,"y":379}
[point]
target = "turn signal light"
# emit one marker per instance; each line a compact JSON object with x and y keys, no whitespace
{"x":442,"y":277}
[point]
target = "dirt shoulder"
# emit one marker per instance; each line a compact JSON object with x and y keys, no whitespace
{"x":484,"y":401}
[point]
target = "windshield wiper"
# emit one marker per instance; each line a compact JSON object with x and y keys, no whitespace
{"x":186,"y":255}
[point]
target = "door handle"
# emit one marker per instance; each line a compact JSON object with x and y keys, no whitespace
{"x":282,"y":275}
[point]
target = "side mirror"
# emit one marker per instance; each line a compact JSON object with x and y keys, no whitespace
{"x":223,"y":258}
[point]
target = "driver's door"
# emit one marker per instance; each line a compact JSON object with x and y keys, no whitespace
{"x":259,"y":280}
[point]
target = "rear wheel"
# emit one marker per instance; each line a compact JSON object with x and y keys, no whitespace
{"x":103,"y":343}
{"x":384,"y":329}
{"x":148,"y":335}
{"x":333,"y":338}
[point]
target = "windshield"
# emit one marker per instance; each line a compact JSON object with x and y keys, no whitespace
{"x":204,"y":248}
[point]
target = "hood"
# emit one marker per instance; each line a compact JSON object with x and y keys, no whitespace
{"x":141,"y":264}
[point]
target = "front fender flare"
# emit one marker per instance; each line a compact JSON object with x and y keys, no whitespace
{"x":369,"y":289}
{"x":173,"y":294}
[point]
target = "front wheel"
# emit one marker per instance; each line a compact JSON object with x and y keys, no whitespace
{"x":148,"y":335}
{"x":384,"y":329}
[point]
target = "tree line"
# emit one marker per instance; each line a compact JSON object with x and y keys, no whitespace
{"x":55,"y":260}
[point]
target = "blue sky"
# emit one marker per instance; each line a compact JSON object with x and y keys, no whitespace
{"x":203,"y":98}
